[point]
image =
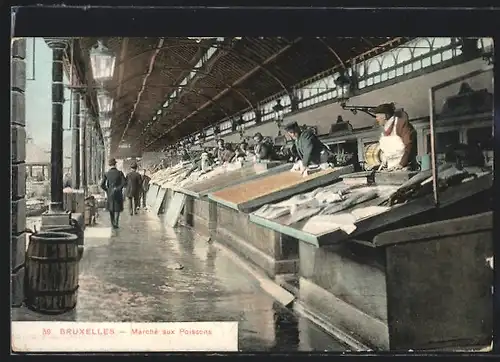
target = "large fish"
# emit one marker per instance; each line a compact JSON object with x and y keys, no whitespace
{"x":352,"y":200}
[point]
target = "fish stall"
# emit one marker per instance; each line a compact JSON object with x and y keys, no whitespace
{"x":346,"y":277}
{"x":199,"y":210}
{"x":273,"y":252}
{"x":160,"y":193}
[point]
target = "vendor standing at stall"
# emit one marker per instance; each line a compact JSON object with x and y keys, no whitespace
{"x":310,"y":150}
{"x":398,"y":140}
{"x":263,"y":149}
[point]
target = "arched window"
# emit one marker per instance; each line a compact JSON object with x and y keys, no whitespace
{"x":403,"y":55}
{"x":373,"y":66}
{"x":388,"y":61}
{"x":361,"y":68}
{"x":421,"y":47}
{"x":440,"y":42}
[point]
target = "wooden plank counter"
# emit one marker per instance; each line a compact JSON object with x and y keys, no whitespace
{"x":253,"y":194}
{"x":199,"y":211}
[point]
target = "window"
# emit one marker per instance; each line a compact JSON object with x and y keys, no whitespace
{"x":421,"y":47}
{"x":436,"y":59}
{"x":361,"y":69}
{"x":440,"y":42}
{"x":373,"y":67}
{"x":447,"y":54}
{"x":426,"y":62}
{"x":403,"y":55}
{"x":388,"y":61}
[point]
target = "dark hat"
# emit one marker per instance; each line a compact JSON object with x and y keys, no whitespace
{"x":112,"y":162}
{"x":385,"y":108}
{"x":133,"y":166}
{"x":258,"y":135}
{"x":292,"y":126}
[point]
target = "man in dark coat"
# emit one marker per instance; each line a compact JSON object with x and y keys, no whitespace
{"x":113,"y":184}
{"x":309,"y":148}
{"x":145,"y":187}
{"x":263,"y":147}
{"x":134,"y":189}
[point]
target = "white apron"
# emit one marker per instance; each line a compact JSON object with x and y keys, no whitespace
{"x":392,"y":146}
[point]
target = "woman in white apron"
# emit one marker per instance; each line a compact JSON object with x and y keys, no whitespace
{"x":397,"y":140}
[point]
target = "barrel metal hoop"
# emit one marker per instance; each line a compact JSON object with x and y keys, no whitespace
{"x":43,"y":259}
{"x":52,"y":241}
{"x":52,"y":293}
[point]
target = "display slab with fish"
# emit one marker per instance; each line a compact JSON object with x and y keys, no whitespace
{"x":250,"y":195}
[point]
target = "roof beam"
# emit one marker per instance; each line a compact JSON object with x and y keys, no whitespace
{"x":121,"y":68}
{"x":226,"y":90}
{"x":143,"y":87}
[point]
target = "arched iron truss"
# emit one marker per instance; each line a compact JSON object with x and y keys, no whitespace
{"x":159,"y":86}
{"x":220,"y":47}
{"x":247,"y":100}
{"x":288,"y":90}
{"x":206,"y":47}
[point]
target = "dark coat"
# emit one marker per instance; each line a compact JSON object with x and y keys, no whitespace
{"x":264,"y":150}
{"x":310,"y":148}
{"x":134,"y":184}
{"x":113,"y":183}
{"x":145,"y":182}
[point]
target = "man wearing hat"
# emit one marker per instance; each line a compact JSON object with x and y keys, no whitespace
{"x":309,"y":148}
{"x":113,"y":184}
{"x":263,"y":148}
{"x":398,"y":138}
{"x":134,"y":188}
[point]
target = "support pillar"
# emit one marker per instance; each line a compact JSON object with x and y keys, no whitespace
{"x":56,"y":152}
{"x":18,"y":170}
{"x":83,"y":147}
{"x":90,"y":150}
{"x":75,"y":152}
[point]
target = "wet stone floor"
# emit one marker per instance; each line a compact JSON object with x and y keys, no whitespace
{"x":130,"y":275}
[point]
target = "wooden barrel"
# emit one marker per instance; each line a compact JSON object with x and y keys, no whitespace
{"x":52,"y":272}
{"x":373,"y":156}
{"x":74,"y":229}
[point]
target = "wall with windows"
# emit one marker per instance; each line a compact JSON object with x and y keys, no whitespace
{"x":411,"y":94}
{"x":402,"y":75}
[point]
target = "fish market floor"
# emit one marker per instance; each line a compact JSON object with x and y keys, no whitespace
{"x":132,"y":275}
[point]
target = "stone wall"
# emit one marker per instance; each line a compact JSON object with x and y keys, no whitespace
{"x":18,"y":186}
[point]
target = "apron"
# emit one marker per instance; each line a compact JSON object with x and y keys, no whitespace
{"x":392,"y":147}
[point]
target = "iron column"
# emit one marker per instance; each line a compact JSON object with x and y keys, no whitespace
{"x":75,"y":159}
{"x":58,"y":47}
{"x":83,"y":146}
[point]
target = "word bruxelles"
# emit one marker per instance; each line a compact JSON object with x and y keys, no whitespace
{"x":180,"y":331}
